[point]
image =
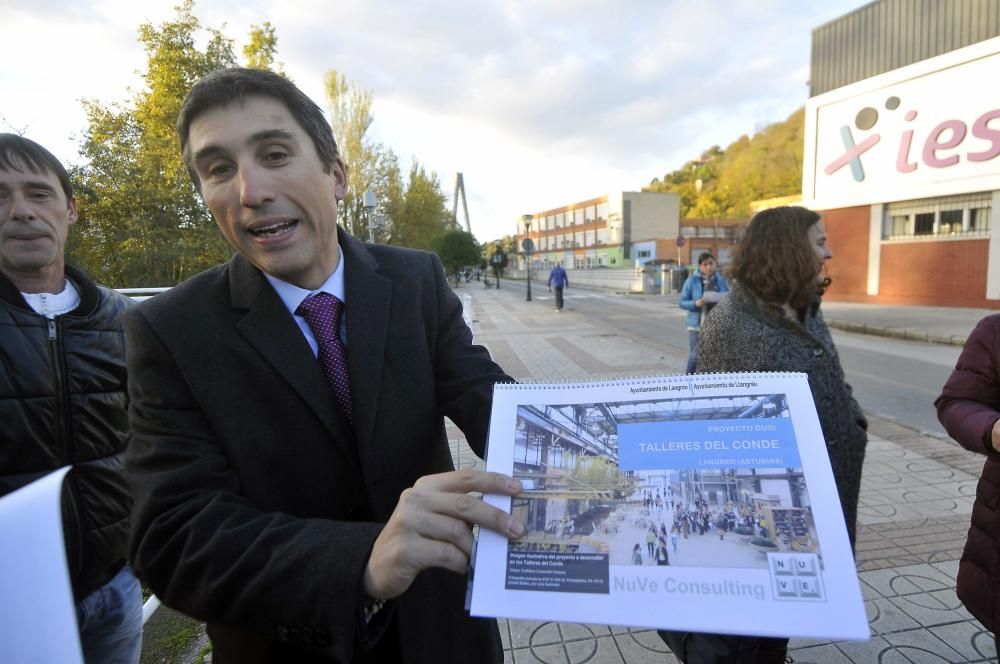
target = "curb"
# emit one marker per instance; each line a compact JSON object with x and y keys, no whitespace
{"x":910,"y":335}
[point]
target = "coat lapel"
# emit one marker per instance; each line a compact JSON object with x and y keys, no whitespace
{"x":272,"y":332}
{"x":369,"y":297}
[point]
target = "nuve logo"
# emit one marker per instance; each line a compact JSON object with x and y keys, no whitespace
{"x":946,"y":135}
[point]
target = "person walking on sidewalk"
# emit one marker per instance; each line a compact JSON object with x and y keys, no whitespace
{"x":771,"y":321}
{"x":559,"y":281}
{"x":697,"y":298}
{"x":969,"y":409}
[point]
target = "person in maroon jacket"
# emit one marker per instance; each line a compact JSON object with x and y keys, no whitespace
{"x":969,"y":408}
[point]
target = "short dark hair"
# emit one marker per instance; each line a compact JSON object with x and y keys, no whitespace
{"x":18,"y":153}
{"x":705,"y":256}
{"x":226,"y":86}
{"x":775,"y":261}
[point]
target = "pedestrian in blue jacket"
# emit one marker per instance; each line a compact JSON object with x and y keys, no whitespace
{"x":697,"y":303}
{"x":558,"y":280}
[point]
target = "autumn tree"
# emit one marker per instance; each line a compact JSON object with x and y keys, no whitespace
{"x":722,"y":183}
{"x":370,"y":165}
{"x":262,"y":47}
{"x":142,"y":222}
{"x":456,"y":249}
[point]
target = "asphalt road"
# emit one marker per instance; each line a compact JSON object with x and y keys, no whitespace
{"x":891,"y":378}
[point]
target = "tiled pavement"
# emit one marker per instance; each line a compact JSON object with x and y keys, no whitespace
{"x":916,"y":497}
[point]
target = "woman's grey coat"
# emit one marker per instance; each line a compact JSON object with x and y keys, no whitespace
{"x":743,"y":333}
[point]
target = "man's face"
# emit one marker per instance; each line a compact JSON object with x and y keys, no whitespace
{"x":707,"y":267}
{"x":34,"y":223}
{"x":264,"y":184}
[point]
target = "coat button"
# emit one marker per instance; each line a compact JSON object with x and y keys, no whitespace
{"x":818,"y":352}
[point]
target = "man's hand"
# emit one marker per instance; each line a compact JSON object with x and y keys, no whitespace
{"x":699,"y":302}
{"x":432,"y":527}
{"x":996,"y":436}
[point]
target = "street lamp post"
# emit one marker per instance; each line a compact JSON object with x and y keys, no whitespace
{"x":369,"y":203}
{"x":528,"y":247}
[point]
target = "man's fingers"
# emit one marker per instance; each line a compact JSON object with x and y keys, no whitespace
{"x":467,"y":481}
{"x":419,"y":507}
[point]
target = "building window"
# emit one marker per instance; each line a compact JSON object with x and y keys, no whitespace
{"x":578,"y":216}
{"x":955,"y":216}
{"x":591,"y":213}
{"x":645,"y":253}
{"x":950,"y":223}
{"x":527,"y":447}
{"x":602,"y":260}
{"x":614,"y":260}
{"x":579,"y":262}
{"x":923,"y":223}
{"x":602,"y":212}
{"x":979,"y":219}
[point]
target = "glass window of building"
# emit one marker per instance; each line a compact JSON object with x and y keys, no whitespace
{"x":951,"y":222}
{"x":578,"y":216}
{"x":589,"y":239}
{"x":979,"y":219}
{"x":923,"y":223}
{"x":527,"y":447}
{"x":591,"y":213}
{"x":953,"y":216}
{"x":602,"y":235}
{"x":602,"y":212}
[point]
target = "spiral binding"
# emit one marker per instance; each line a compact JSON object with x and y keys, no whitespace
{"x":627,"y":381}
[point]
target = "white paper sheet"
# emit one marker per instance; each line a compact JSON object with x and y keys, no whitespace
{"x":739,"y":458}
{"x":37,"y":613}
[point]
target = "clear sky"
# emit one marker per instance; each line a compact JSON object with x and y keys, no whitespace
{"x":539,"y":103}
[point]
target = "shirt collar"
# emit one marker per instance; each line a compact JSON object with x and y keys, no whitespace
{"x":292,"y":296}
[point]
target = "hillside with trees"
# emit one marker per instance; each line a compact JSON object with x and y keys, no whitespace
{"x":721,"y":184}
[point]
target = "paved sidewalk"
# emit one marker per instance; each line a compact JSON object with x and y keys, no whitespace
{"x":916,"y":496}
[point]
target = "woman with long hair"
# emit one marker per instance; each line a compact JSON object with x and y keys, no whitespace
{"x":771,"y":321}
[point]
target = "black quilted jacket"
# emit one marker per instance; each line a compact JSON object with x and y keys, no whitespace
{"x":63,"y":401}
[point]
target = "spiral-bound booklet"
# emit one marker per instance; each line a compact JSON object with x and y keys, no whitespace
{"x":697,"y":503}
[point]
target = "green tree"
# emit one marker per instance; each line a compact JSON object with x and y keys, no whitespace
{"x":262,"y":47}
{"x":456,"y":249}
{"x":423,"y":214}
{"x":370,"y":165}
{"x":141,"y":221}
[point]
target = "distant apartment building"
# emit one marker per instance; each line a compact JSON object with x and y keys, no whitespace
{"x":626,"y":229}
{"x":902,"y":151}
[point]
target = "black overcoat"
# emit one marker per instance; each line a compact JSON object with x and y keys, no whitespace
{"x":256,"y":503}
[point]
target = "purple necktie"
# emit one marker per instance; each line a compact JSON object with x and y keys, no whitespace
{"x":322,"y":312}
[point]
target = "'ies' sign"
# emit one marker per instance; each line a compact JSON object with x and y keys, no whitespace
{"x":928,"y":129}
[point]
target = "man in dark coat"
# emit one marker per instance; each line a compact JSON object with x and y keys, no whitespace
{"x":307,"y":510}
{"x":63,"y":393}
